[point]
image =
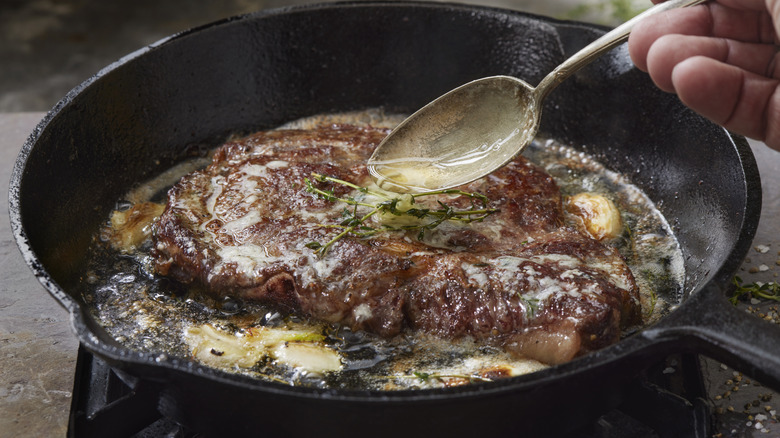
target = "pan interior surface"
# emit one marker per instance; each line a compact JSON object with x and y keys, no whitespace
{"x":172,"y":101}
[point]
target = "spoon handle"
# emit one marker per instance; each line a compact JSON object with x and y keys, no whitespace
{"x":603,"y":44}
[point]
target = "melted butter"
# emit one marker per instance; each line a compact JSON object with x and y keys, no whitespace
{"x":457,"y":142}
{"x":419,"y":175}
{"x":405,"y":175}
{"x":245,"y":257}
{"x":151,"y":314}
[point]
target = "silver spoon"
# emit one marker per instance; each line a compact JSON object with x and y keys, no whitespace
{"x":480,"y":126}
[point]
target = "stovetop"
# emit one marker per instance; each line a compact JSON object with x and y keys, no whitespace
{"x":668,"y":400}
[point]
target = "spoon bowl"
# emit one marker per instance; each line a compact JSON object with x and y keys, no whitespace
{"x":452,"y":140}
{"x":480,"y":126}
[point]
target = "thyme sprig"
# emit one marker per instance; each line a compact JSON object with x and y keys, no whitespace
{"x":428,"y":377}
{"x":425,"y":377}
{"x":354,"y":223}
{"x":767,"y":291}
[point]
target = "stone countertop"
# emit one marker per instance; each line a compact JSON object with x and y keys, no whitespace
{"x":39,"y":348}
{"x":741,"y":406}
{"x":37,"y":345}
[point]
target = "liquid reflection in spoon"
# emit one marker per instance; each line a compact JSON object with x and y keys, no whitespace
{"x":440,"y":153}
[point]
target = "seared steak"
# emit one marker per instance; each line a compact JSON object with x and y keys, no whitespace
{"x":521,"y":278}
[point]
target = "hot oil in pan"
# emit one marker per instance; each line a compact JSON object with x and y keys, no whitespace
{"x":153,"y":314}
{"x":648,"y":245}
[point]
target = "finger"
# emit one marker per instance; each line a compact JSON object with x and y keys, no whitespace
{"x":745,"y":5}
{"x":670,"y":50}
{"x":738,"y":100}
{"x":711,"y":19}
{"x":754,"y":5}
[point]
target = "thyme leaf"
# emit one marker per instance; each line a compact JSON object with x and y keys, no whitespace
{"x":531,"y":306}
{"x":354,"y":223}
{"x":422,"y":376}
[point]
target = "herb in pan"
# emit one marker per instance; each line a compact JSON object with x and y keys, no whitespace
{"x":354,"y":222}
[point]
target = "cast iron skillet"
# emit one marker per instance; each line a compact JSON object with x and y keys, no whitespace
{"x":150,"y":109}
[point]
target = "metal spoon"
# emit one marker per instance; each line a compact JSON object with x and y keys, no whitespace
{"x":480,"y":126}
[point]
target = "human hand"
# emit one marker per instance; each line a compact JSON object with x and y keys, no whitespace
{"x":721,"y":58}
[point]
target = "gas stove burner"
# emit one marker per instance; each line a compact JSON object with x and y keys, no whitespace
{"x":667,"y":400}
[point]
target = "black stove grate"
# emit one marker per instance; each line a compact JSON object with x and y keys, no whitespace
{"x":666,"y":401}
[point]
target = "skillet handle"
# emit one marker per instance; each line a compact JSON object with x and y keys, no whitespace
{"x":708,"y":324}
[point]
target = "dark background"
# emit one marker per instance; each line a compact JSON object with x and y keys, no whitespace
{"x":47,"y":47}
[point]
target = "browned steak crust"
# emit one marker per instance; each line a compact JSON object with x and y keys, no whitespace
{"x":520,"y":279}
